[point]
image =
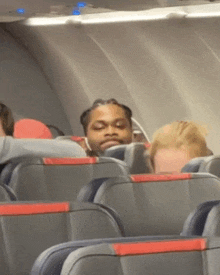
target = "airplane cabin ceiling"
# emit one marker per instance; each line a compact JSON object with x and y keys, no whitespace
{"x":8,"y":9}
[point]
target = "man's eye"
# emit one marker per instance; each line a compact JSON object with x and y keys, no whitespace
{"x":98,"y":127}
{"x":120,"y":125}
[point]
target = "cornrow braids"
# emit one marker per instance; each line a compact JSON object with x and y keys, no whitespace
{"x":84,"y":118}
{"x":7,"y":119}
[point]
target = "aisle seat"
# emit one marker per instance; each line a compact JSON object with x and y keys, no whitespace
{"x":51,"y":260}
{"x":57,"y":178}
{"x":157,"y":204}
{"x":27,"y":229}
{"x":188,"y":256}
{"x":209,"y":164}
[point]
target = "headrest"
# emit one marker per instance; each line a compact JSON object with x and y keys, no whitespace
{"x":31,"y":128}
{"x":117,"y":152}
{"x":193,"y":165}
{"x":134,"y":155}
{"x":211,"y":165}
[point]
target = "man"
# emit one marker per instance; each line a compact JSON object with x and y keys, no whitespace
{"x":176,"y":144}
{"x":6,"y":121}
{"x":107,"y":123}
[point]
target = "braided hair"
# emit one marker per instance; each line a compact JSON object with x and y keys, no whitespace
{"x":7,"y":119}
{"x":84,"y":118}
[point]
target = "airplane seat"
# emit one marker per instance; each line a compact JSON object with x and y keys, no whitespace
{"x":117,"y":152}
{"x":157,"y":204}
{"x":195,"y":222}
{"x":193,"y":165}
{"x":57,"y":179}
{"x":27,"y":229}
{"x":162,"y":257}
{"x":212,"y":225}
{"x":134,"y":155}
{"x":210,"y":164}
{"x":6,"y":194}
{"x":7,"y":171}
{"x":204,"y":221}
{"x":87,"y":193}
{"x":52,"y":259}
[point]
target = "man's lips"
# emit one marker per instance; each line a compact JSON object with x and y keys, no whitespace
{"x":109,"y":143}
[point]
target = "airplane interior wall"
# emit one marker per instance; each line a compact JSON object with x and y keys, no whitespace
{"x":25,"y":89}
{"x":164,"y":70}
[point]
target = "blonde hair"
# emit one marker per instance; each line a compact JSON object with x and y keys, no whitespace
{"x":181,"y":134}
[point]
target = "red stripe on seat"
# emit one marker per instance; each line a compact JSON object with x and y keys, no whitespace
{"x":30,"y":209}
{"x":153,"y":177}
{"x":69,"y":161}
{"x":159,"y":247}
{"x":76,"y":138}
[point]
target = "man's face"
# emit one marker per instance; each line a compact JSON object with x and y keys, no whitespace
{"x":108,"y":126}
{"x":2,"y":132}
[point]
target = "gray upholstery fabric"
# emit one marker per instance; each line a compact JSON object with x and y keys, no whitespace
{"x":4,"y":196}
{"x":212,"y":225}
{"x":52,"y":259}
{"x":195,"y":222}
{"x":101,"y":260}
{"x":134,"y":155}
{"x":193,"y":165}
{"x":209,"y":164}
{"x":13,"y":148}
{"x":117,"y":152}
{"x":24,"y":237}
{"x":138,"y":159}
{"x":32,"y":180}
{"x":157,"y":207}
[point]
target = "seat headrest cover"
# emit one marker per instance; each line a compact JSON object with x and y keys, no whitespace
{"x":193,"y":165}
{"x":30,"y":128}
{"x":117,"y":151}
{"x":159,"y":247}
{"x":30,"y":209}
{"x":70,"y":161}
{"x":154,"y":177}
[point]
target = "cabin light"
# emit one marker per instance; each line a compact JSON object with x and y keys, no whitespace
{"x":81,"y":4}
{"x":20,"y":11}
{"x":76,"y":11}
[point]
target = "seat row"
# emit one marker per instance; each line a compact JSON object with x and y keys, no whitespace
{"x":114,"y":204}
{"x":62,"y":178}
{"x":46,"y":237}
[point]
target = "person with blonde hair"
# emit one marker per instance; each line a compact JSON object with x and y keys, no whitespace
{"x":176,"y":144}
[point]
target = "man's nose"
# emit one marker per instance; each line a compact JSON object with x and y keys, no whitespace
{"x":111,"y":131}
